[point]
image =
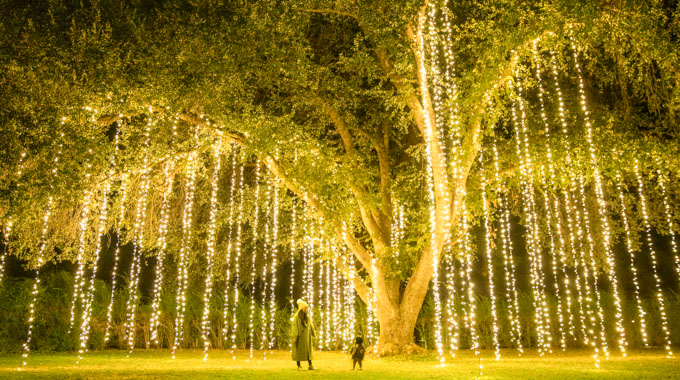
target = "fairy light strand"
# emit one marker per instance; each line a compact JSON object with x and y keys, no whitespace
{"x":230,"y":247}
{"x":572,"y":242}
{"x":266,"y":270}
{"x":212,"y":242}
{"x":625,"y":219}
{"x":652,"y":255}
{"x":82,"y":237}
{"x":253,"y":275}
{"x":88,"y":295}
{"x":8,"y":227}
{"x":507,"y":255}
{"x":533,"y":247}
{"x":185,"y":250}
{"x":553,"y":240}
{"x":431,"y":139}
{"x":26,"y":346}
{"x":138,"y":241}
{"x":162,"y":250}
{"x":471,"y":299}
{"x":602,"y":207}
{"x":669,"y":220}
{"x":237,"y":258}
{"x":274,"y":264}
{"x":489,"y":262}
{"x":590,"y":272}
{"x":116,"y":256}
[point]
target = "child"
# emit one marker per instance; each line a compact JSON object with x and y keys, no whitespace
{"x":357,"y":352}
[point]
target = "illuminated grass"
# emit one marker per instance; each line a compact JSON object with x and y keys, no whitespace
{"x":189,"y":364}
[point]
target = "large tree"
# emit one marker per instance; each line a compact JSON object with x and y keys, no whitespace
{"x":337,"y":99}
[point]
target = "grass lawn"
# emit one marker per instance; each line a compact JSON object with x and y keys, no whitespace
{"x":277,"y":365}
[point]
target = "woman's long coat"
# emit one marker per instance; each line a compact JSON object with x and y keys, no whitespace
{"x":302,"y":351}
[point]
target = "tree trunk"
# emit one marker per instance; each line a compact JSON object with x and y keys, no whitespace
{"x":396,"y":328}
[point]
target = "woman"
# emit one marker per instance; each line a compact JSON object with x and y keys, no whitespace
{"x":301,"y":333}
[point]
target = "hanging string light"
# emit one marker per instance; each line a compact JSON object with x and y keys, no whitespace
{"x":309,"y":262}
{"x":8,"y":227}
{"x":559,"y":269}
{"x":373,"y":335}
{"x":350,"y":299}
{"x":266,"y":253}
{"x":591,"y":267}
{"x":471,"y":300}
{"x":489,"y":263}
{"x":237,"y":258}
{"x":253,"y":273}
{"x":322,"y":292}
{"x":327,"y":300}
{"x":506,"y":254}
{"x":554,"y":246}
{"x":631,"y":251}
{"x":573,"y":248}
{"x":533,"y":242}
{"x":185,"y":249}
{"x":431,"y":140}
{"x":293,"y":253}
{"x":138,"y":241}
{"x":583,"y":287}
{"x":88,"y":294}
{"x":82,"y":233}
{"x":274,"y":263}
{"x":602,"y":207}
{"x":79,"y":281}
{"x":162,"y":250}
{"x":230,"y":245}
{"x":669,"y":219}
{"x":212,"y":242}
{"x":26,"y":346}
{"x":452,"y":329}
{"x":337,"y":298}
{"x":169,"y":180}
{"x":116,"y":256}
{"x":652,"y":255}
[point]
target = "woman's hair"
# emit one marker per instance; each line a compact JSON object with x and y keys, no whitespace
{"x":359,"y":340}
